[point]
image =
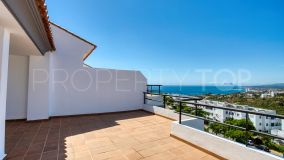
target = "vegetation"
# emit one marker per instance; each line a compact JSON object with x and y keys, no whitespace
{"x":274,"y":103}
{"x":274,"y":146}
{"x":270,"y":86}
{"x":169,"y":101}
{"x":186,"y":109}
{"x":242,"y":136}
{"x":233,"y":133}
{"x":267,"y":141}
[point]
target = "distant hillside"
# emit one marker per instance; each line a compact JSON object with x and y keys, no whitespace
{"x":274,"y":103}
{"x":276,"y":86}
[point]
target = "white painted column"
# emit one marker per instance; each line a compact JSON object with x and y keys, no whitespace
{"x":38,"y":89}
{"x":4,"y":59}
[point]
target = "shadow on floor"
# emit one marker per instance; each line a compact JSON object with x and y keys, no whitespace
{"x":120,"y":136}
{"x":47,"y":139}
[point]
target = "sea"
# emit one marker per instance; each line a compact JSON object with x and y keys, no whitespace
{"x":200,"y":90}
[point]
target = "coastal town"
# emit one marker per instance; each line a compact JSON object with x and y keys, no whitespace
{"x":253,"y":99}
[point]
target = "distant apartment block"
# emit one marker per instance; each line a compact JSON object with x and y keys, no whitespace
{"x":269,"y":94}
{"x":261,"y":123}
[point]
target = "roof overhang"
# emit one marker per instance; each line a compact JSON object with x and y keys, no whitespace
{"x":32,"y":16}
{"x":89,"y":52}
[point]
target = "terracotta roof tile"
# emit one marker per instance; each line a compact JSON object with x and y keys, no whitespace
{"x":45,"y":19}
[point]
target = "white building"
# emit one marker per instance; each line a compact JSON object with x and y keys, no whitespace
{"x":277,"y":132}
{"x":252,"y":90}
{"x":269,"y":94}
{"x":261,"y":123}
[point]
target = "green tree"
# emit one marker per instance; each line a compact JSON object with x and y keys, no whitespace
{"x":267,"y":141}
{"x":217,"y":128}
{"x":240,"y":123}
{"x":199,"y":112}
{"x":238,"y":135}
{"x":186,"y":109}
{"x":169,"y":101}
{"x":190,"y":110}
{"x":233,"y":133}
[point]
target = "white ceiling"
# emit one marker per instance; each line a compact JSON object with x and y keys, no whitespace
{"x":20,"y":43}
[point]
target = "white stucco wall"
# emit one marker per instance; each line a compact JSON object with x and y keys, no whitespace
{"x":17,"y":89}
{"x":38,"y":88}
{"x":59,"y":84}
{"x":4,"y":61}
{"x":97,"y":91}
{"x":75,"y":89}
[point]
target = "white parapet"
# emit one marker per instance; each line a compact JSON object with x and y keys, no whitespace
{"x":217,"y":145}
{"x":168,"y":113}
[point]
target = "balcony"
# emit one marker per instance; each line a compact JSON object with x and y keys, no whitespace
{"x":127,"y":135}
{"x":54,"y":106}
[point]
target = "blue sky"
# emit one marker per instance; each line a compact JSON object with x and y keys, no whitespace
{"x":175,"y":41}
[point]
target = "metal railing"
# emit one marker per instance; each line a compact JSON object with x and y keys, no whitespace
{"x":193,"y":103}
{"x":151,"y":86}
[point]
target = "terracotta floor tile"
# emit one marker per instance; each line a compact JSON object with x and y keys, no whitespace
{"x":209,"y":158}
{"x":50,"y":148}
{"x":122,"y":136}
{"x":130,"y":154}
{"x":33,"y":156}
{"x":80,"y":148}
{"x":103,"y":149}
{"x":106,"y":155}
{"x":144,"y":146}
{"x":154,"y":150}
{"x":49,"y":155}
{"x":82,"y":155}
{"x":162,"y":156}
{"x":35,"y":148}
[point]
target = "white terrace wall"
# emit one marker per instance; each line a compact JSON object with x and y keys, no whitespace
{"x":58,"y":84}
{"x":17,"y":89}
{"x":97,"y":91}
{"x":4,"y":60}
{"x":38,"y":87}
{"x":75,"y":89}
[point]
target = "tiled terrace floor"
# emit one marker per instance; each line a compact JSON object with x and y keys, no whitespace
{"x":132,"y":135}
